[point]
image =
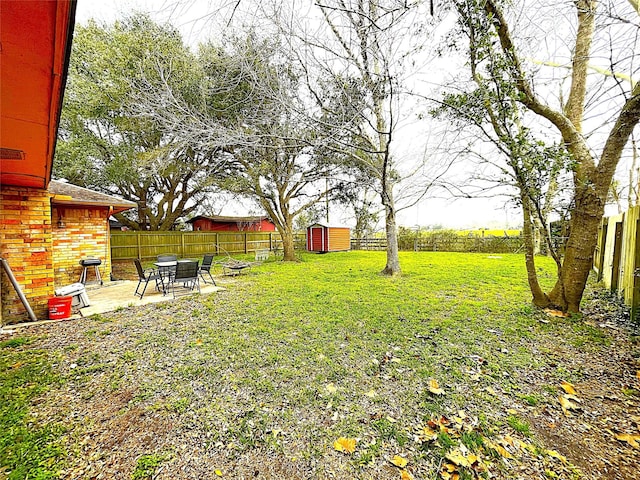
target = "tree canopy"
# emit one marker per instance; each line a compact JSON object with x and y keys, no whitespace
{"x":105,"y":143}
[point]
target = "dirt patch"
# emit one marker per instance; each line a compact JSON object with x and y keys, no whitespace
{"x":607,"y":400}
{"x":121,"y":270}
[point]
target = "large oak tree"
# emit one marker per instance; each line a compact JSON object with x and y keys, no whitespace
{"x":105,"y":144}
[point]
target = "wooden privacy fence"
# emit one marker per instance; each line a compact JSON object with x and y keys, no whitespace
{"x":617,"y":256}
{"x":449,"y":243}
{"x":147,"y":245}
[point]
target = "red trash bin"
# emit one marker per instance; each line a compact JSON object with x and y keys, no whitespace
{"x":59,"y":307}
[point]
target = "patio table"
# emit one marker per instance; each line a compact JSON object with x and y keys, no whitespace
{"x":166,"y":269}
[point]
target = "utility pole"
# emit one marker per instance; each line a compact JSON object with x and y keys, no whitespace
{"x":326,"y":196}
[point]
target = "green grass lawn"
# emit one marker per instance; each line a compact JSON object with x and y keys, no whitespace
{"x":260,"y":380}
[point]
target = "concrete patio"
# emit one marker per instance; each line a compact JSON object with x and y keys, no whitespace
{"x":114,"y":295}
{"x":119,"y":294}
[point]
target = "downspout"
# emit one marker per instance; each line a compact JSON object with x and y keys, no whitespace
{"x":16,"y":287}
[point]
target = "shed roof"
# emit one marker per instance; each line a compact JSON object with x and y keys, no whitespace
{"x":219,"y":218}
{"x":324,"y":225}
{"x":68,"y":194}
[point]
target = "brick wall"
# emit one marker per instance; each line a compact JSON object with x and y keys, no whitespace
{"x":26,"y":243}
{"x":85,"y":234}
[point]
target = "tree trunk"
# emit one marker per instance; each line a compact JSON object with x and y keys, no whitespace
{"x":536,"y":237}
{"x":578,"y":259}
{"x":288,"y":249}
{"x":540,"y":299}
{"x":393,"y":260}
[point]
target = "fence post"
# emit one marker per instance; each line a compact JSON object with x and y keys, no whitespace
{"x":245,"y":242}
{"x":138,"y":245}
{"x":182,"y":244}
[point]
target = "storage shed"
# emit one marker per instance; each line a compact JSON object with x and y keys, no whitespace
{"x":324,"y":238}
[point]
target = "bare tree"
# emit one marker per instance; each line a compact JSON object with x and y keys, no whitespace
{"x":354,"y":65}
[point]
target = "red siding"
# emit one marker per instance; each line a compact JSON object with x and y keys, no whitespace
{"x":208,"y":225}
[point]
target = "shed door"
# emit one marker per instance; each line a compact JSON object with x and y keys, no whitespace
{"x":317,"y":239}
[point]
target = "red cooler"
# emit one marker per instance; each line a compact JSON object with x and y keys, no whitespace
{"x":59,"y":307}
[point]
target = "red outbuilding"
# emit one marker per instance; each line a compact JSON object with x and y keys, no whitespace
{"x":323,"y":238}
{"x":231,"y":224}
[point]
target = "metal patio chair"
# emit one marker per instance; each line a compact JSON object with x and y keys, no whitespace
{"x":205,"y":268}
{"x":145,"y":276}
{"x":186,"y":277}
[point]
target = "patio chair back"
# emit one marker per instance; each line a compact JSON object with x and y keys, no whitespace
{"x":186,"y":275}
{"x":186,"y":270}
{"x":207,"y":261}
{"x":141,"y":275}
{"x":205,"y":268}
{"x":167,"y":257}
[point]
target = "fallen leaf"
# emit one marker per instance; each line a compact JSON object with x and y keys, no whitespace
{"x":449,"y":472}
{"x":199,"y":341}
{"x":498,"y":448}
{"x":331,"y":388}
{"x":524,"y":445}
{"x":371,"y":393}
{"x":435,"y":388}
{"x":491,"y":390}
{"x":556,"y":313}
{"x":630,"y":439}
{"x":458,"y":458}
{"x":638,"y":374}
{"x":568,"y":388}
{"x":567,"y":405}
{"x":554,"y":454}
{"x":218,"y":472}
{"x":404,"y":475}
{"x":506,"y":440}
{"x":346,"y":445}
{"x":399,"y":461}
{"x":427,"y":433}
{"x":449,"y":467}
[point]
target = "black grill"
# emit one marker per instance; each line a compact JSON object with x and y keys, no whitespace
{"x":90,"y":262}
